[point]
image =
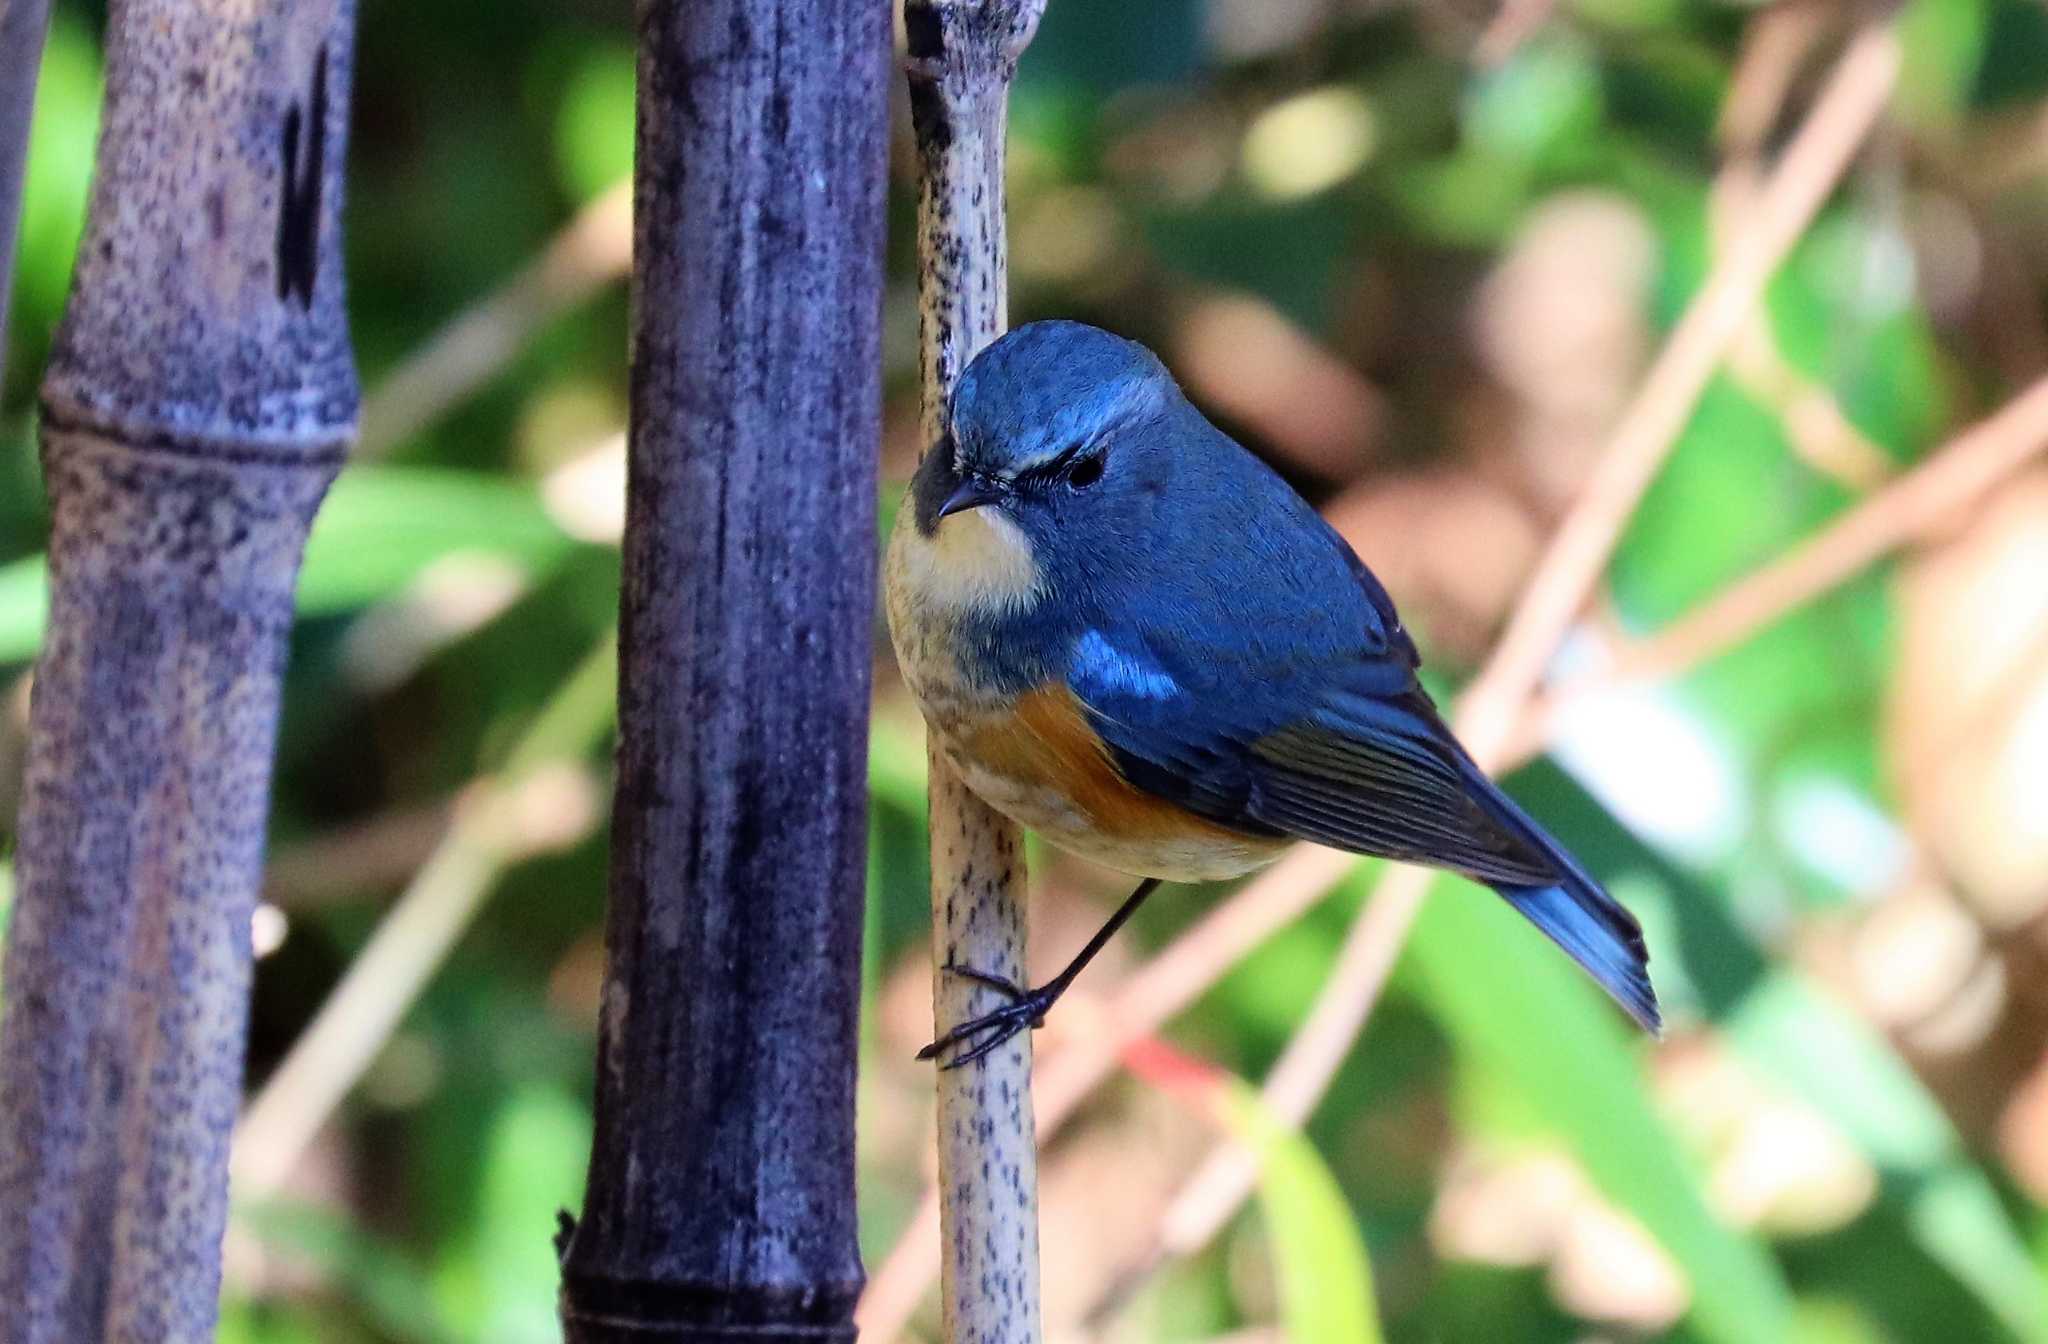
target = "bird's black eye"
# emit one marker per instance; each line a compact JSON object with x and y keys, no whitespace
{"x":1086,"y":472}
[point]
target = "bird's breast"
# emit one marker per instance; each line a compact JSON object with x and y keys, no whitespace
{"x":1038,"y":761}
{"x":1032,"y":756}
{"x":934,"y":587}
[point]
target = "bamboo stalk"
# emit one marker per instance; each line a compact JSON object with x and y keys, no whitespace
{"x":961,"y":56}
{"x":199,"y":399}
{"x":23,"y":26}
{"x":721,"y":1194}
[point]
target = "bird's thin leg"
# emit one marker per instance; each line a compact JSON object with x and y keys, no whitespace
{"x":1027,"y":1008}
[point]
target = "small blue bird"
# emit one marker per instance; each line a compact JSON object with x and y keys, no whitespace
{"x":1128,"y":634}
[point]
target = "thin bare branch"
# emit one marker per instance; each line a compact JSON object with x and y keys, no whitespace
{"x":1775,"y":47}
{"x":541,"y":800}
{"x":1815,"y":426}
{"x":1911,"y":507}
{"x":960,"y":56}
{"x":592,"y":250}
{"x":1514,"y":23}
{"x":373,"y":855}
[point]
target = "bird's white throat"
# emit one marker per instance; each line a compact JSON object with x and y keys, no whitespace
{"x":977,"y":561}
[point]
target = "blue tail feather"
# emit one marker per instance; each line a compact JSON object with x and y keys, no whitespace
{"x":1579,"y":916}
{"x":1611,"y":955}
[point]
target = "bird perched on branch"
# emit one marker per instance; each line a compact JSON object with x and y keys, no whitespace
{"x":1128,"y":634}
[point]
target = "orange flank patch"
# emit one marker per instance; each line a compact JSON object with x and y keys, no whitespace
{"x":1046,"y":741}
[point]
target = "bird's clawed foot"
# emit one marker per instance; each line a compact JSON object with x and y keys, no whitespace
{"x":1025,"y":1010}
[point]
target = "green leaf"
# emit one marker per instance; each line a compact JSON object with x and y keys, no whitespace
{"x":1932,"y":1199}
{"x":2014,"y":68}
{"x":1943,"y":42}
{"x":594,"y":128}
{"x":1100,"y":48}
{"x":1517,"y":1008}
{"x":384,"y":1283}
{"x":57,"y":175}
{"x":1224,"y":244}
{"x":24,"y":607}
{"x":1319,"y":1256}
{"x":1833,"y":1062}
{"x":379,"y":529}
{"x":576,"y":717}
{"x":533,"y":1167}
{"x":896,"y":764}
{"x":1470,"y":198}
{"x":1546,"y":96}
{"x":1730,"y":462}
{"x":1842,"y":310}
{"x":1325,"y":1274}
{"x":253,"y":1323}
{"x":382,"y":525}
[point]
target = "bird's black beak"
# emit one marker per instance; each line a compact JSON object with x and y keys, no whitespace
{"x":939,"y":488}
{"x":971,"y":493}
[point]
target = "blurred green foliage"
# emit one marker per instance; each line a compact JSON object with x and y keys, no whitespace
{"x":449,"y":595}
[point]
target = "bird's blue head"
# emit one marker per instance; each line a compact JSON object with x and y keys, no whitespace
{"x":1048,"y":426}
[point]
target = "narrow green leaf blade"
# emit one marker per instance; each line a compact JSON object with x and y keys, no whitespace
{"x":379,"y":528}
{"x":1518,"y":1008}
{"x":1836,"y":1064}
{"x":1325,"y":1274}
{"x":382,"y":525}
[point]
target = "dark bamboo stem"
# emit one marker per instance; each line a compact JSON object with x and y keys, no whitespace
{"x":721,"y":1199}
{"x":199,"y":398}
{"x":23,"y":25}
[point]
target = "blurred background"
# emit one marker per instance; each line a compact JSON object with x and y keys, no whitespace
{"x":1420,"y":257}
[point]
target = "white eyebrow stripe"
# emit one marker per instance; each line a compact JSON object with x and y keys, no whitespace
{"x":1054,"y":449}
{"x":1097,"y":663}
{"x":1125,"y":400}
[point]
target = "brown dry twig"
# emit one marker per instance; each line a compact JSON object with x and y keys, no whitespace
{"x":1911,"y":507}
{"x":541,"y":799}
{"x":352,"y":861}
{"x":592,"y":250}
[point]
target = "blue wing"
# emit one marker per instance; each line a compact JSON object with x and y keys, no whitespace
{"x":1310,"y":722}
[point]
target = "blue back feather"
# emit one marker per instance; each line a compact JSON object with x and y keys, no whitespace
{"x":1234,"y":654}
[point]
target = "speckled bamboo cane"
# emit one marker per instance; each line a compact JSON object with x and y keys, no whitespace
{"x":199,"y":398}
{"x":961,"y":56}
